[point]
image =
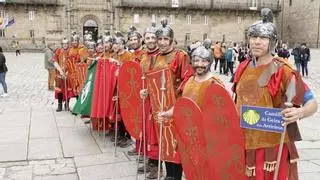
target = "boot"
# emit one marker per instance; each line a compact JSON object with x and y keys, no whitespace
{"x":66,"y":105}
{"x":141,"y":169}
{"x":154,"y":173}
{"x":59,"y":109}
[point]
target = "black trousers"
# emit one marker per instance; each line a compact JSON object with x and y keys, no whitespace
{"x":123,"y":131}
{"x":304,"y":66}
{"x":229,"y":67}
{"x":216,"y":60}
{"x":174,"y":171}
{"x":222,"y":66}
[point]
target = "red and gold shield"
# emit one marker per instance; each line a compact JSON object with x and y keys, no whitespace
{"x":190,"y":135}
{"x":223,"y":135}
{"x":130,"y":84}
{"x":81,"y":71}
{"x":153,"y":81}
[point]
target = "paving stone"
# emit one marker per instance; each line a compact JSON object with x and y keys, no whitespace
{"x":98,"y":159}
{"x":13,"y":151}
{"x":60,"y":177}
{"x":16,"y":119}
{"x":58,"y":169}
{"x":308,"y":167}
{"x":20,"y":173}
{"x":77,"y":141}
{"x":42,"y":162}
{"x":44,"y":149}
{"x":17,"y":134}
{"x":44,"y":129}
{"x":309,"y":176}
{"x":40,"y":170}
{"x":117,"y":170}
{"x":308,"y":144}
{"x":2,"y":172}
{"x":309,"y":154}
{"x":10,"y":164}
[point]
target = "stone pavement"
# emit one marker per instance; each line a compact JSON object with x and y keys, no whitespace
{"x":36,"y":143}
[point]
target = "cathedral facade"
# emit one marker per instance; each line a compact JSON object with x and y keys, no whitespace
{"x":38,"y":22}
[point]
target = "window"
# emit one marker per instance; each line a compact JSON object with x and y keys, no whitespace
{"x":31,"y":15}
{"x":31,"y":33}
{"x":108,"y":20}
{"x":254,"y":3}
{"x":2,"y":33}
{"x":239,"y":19}
{"x":188,"y":18}
{"x":206,"y":19}
{"x":153,"y":18}
{"x":205,"y":36}
{"x":136,"y":18}
{"x":175,"y":3}
{"x":187,"y":39}
{"x":290,"y":3}
{"x":171,"y":19}
{"x":2,"y":14}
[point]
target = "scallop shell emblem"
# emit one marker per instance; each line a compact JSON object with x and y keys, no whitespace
{"x":251,"y":116}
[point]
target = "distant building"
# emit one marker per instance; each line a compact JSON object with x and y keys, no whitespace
{"x":38,"y":22}
{"x":301,"y":22}
{"x":192,"y":20}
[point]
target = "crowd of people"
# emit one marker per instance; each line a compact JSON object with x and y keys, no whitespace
{"x":92,"y":70}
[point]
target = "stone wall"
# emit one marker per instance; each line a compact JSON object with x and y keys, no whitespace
{"x":222,"y":25}
{"x":300,"y":22}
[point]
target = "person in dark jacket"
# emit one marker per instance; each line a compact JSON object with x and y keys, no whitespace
{"x":284,"y":52}
{"x":296,"y":54}
{"x":3,"y":71}
{"x":305,"y":58}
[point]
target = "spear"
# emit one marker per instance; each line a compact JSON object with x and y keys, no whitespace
{"x":290,"y":93}
{"x":163,"y":89}
{"x":66,"y":92}
{"x":117,"y":111}
{"x":143,"y":134}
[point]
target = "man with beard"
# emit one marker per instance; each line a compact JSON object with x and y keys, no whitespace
{"x":60,"y":63}
{"x":196,"y":86}
{"x":177,"y":62}
{"x":152,"y":148}
{"x":267,"y":81}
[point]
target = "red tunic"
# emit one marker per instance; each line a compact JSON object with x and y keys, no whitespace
{"x":60,"y":56}
{"x":177,"y":62}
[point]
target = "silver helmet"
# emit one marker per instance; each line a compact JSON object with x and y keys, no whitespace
{"x":119,"y":38}
{"x":265,"y":28}
{"x":203,"y":52}
{"x":151,"y":29}
{"x":75,"y":37}
{"x":165,"y":30}
{"x":64,"y":41}
{"x":107,"y":37}
{"x":133,"y":33}
{"x":91,"y":45}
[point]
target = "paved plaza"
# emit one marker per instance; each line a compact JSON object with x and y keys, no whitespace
{"x":36,"y":143}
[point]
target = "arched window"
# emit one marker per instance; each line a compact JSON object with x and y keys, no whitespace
{"x":90,"y":23}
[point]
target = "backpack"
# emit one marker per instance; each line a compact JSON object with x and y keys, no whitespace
{"x":228,"y":55}
{"x":241,"y":56}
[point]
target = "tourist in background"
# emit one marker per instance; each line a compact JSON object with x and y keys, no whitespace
{"x":305,"y":58}
{"x":49,"y":65}
{"x":3,"y":71}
